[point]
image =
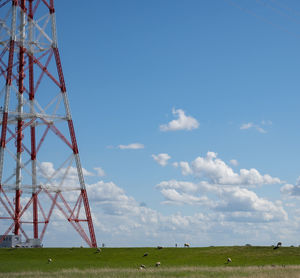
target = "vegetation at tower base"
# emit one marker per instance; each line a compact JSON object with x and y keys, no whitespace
{"x":128,"y":260}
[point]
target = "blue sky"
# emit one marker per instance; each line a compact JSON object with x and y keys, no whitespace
{"x":171,"y":99}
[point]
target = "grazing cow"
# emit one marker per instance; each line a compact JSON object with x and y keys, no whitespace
{"x":186,"y":245}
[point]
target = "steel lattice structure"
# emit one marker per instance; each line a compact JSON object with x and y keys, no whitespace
{"x":40,"y":168}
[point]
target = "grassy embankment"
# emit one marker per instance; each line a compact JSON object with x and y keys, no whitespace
{"x":175,"y":262}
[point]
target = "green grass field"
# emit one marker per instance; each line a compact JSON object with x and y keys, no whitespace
{"x":175,"y":262}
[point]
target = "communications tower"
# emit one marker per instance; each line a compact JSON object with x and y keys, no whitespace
{"x":41,"y":177}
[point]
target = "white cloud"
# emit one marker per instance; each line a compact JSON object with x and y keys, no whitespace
{"x":234,"y":162}
{"x":260,"y":129}
{"x":64,"y":179}
{"x":111,"y":197}
{"x":47,"y":169}
{"x":218,"y":172}
{"x":223,"y":191}
{"x":121,"y":220}
{"x":183,"y":122}
{"x":133,"y":146}
{"x":290,"y":190}
{"x":246,"y":126}
{"x":251,"y":125}
{"x":249,"y":206}
{"x":161,"y":159}
{"x":185,"y":167}
{"x":235,"y":203}
{"x":100,"y":172}
{"x":174,"y":184}
{"x":173,"y":196}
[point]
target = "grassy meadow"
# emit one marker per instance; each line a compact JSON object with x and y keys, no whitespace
{"x":247,"y":261}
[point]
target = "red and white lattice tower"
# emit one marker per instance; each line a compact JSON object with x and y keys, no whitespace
{"x":40,"y":169}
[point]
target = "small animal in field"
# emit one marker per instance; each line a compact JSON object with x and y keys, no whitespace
{"x":229,"y":260}
{"x":157,"y":264}
{"x":145,"y":255}
{"x":186,"y":245}
{"x":49,"y":260}
{"x":159,"y":247}
{"x":142,"y":266}
{"x":98,"y":250}
{"x":279,"y":244}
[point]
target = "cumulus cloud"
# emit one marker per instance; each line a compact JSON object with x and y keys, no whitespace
{"x":291,"y":190}
{"x":233,"y":202}
{"x":48,"y":170}
{"x":123,"y":215}
{"x":133,"y":146}
{"x":185,"y":167}
{"x":173,"y":196}
{"x":61,"y":178}
{"x":218,"y":172}
{"x":183,"y":122}
{"x":248,"y":206}
{"x":100,"y":172}
{"x":161,"y":159}
{"x":121,"y":220}
{"x":223,"y":191}
{"x":178,"y":185}
{"x":112,"y":198}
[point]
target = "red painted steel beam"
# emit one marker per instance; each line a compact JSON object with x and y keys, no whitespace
{"x":36,"y":61}
{"x":17,"y":212}
{"x":73,"y":137}
{"x":8,"y":83}
{"x":20,"y":126}
{"x":89,"y":217}
{"x":59,"y":69}
{"x":35,"y":217}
